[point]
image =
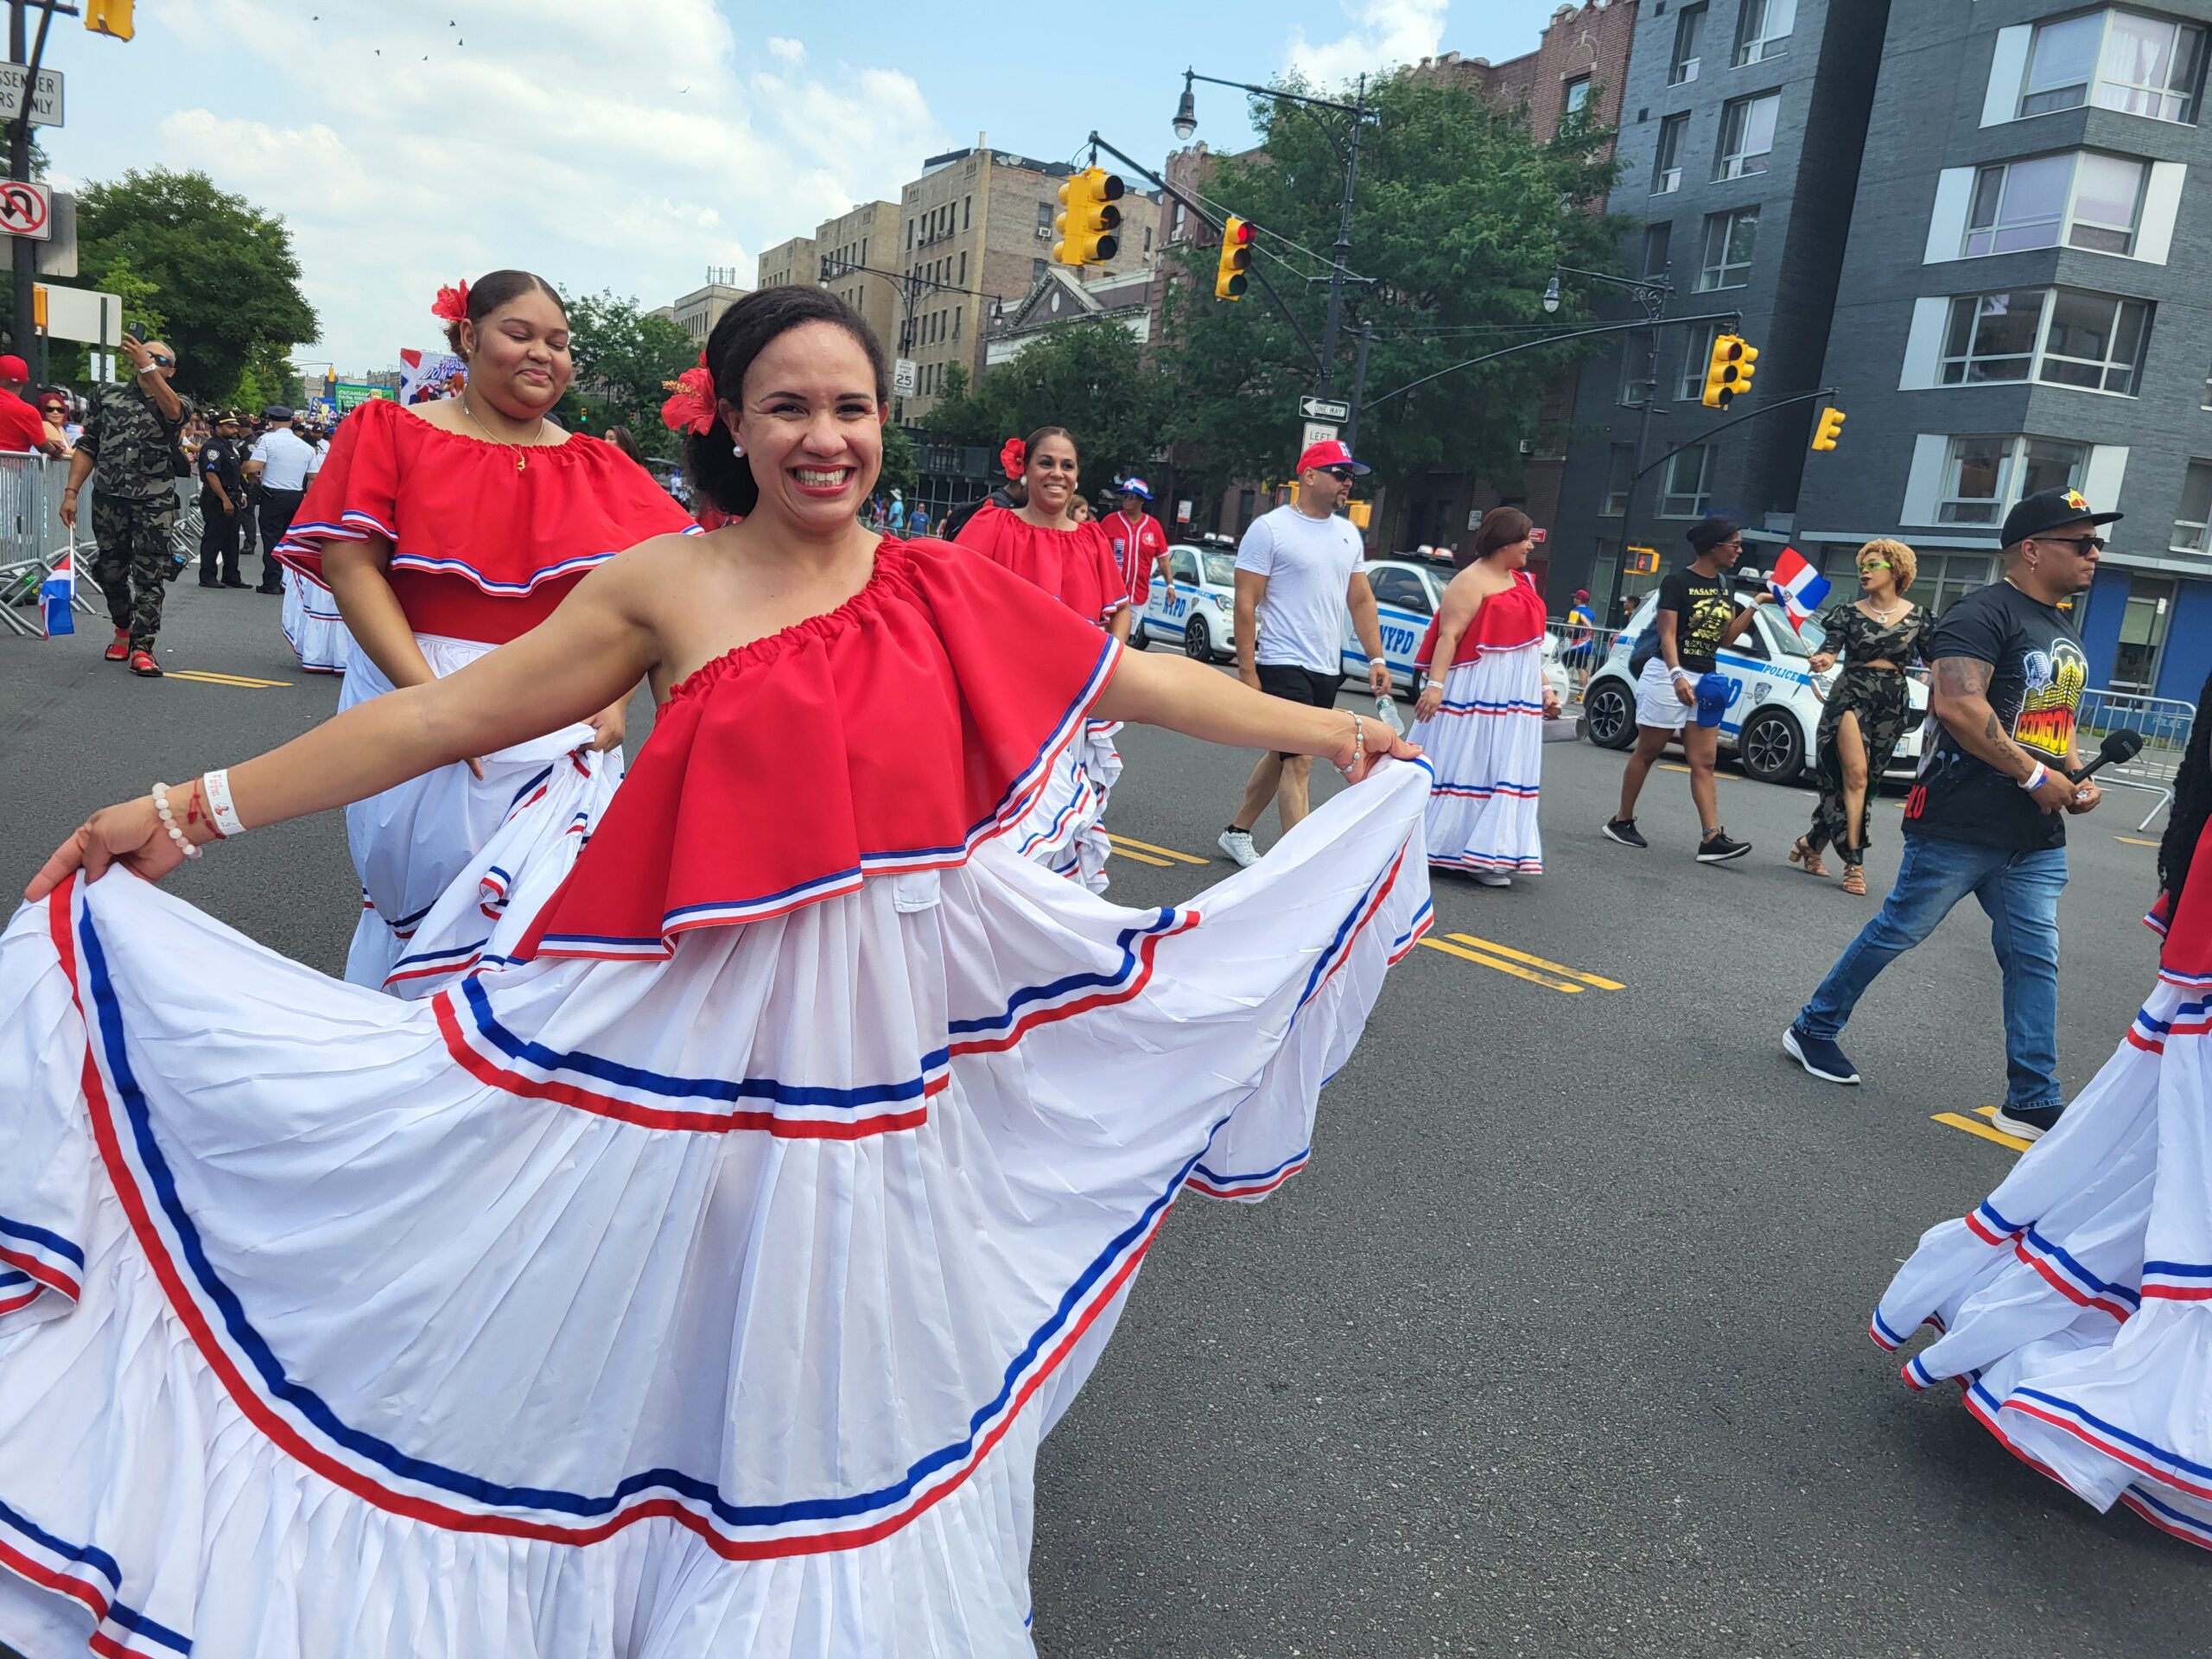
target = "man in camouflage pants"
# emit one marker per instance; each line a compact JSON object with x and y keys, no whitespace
{"x":130,"y":437}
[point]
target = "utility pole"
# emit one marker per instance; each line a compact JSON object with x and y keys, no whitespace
{"x":1343,"y":251}
{"x":28,"y":345}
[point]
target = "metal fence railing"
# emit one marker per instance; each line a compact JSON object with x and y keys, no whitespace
{"x":2165,"y":722}
{"x":34,"y":540}
{"x":1582,"y":652}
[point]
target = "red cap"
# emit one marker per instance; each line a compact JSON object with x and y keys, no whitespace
{"x":14,"y":368}
{"x":1329,"y":453}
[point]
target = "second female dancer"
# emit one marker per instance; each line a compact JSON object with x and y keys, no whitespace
{"x":444,"y":530}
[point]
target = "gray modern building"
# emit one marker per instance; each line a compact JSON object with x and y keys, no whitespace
{"x":1741,"y":131}
{"x":2024,"y":305}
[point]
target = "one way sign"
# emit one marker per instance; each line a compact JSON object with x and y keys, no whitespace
{"x":1324,"y":408}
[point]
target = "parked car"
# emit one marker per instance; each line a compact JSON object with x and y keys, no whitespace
{"x":1198,"y":608}
{"x":1774,"y":697}
{"x":1407,"y":594}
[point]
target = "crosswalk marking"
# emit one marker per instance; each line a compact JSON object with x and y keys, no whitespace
{"x":208,"y":678}
{"x":1538,"y":961}
{"x":1122,"y":842}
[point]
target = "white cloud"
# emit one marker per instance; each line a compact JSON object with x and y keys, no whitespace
{"x":1383,"y":32}
{"x":625,"y":146}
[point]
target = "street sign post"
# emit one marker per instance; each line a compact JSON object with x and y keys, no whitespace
{"x":45,"y":104}
{"x":904,"y":377}
{"x":1324,"y":409}
{"x":1317,"y":432}
{"x":26,"y":209}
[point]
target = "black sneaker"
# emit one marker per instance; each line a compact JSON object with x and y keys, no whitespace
{"x":1624,"y":831}
{"x":2028,"y":1122}
{"x":1717,"y":849}
{"x":1821,"y":1056}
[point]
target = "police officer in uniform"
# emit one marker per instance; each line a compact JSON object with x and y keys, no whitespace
{"x":222,"y":504}
{"x":131,"y":437}
{"x":280,"y":464}
{"x":250,"y":499}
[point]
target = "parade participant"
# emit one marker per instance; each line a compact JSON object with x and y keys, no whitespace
{"x":23,"y":428}
{"x":1039,"y":540}
{"x":2071,"y":1305}
{"x":1983,"y":815}
{"x":1296,"y":573}
{"x":443,"y":529}
{"x":705,"y":1284}
{"x":1582,"y":639}
{"x":1480,"y":720}
{"x":1140,"y":544}
{"x":1875,"y":637}
{"x":280,"y":466}
{"x":131,"y":437}
{"x":222,"y":497}
{"x":1697,"y":617}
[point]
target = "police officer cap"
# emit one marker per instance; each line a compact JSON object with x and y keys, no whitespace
{"x":275,"y":412}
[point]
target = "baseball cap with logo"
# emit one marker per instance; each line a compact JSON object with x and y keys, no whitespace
{"x":14,"y":368}
{"x":2048,"y":509}
{"x":1137,"y":488}
{"x":1329,"y":455}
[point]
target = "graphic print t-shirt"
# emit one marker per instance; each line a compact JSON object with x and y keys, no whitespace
{"x":1702,"y":612}
{"x":2037,"y":669}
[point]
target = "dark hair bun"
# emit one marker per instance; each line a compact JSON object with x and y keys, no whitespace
{"x":495,"y":288}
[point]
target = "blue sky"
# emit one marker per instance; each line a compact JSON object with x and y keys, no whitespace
{"x":629,"y":144}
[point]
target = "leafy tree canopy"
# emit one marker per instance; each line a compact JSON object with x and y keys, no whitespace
{"x":901,"y":469}
{"x":1089,"y":377}
{"x":623,"y":356}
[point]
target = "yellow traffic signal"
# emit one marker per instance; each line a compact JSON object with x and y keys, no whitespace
{"x":1830,"y":428}
{"x":1642,"y":562}
{"x":1228,"y":278}
{"x":1729,"y":371}
{"x":1087,"y":219}
{"x":1361,"y":514}
{"x":108,"y":17}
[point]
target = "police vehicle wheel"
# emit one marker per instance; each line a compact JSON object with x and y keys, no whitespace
{"x":1771,"y":747}
{"x":1198,"y":643}
{"x":1610,"y":713}
{"x":1139,"y":639}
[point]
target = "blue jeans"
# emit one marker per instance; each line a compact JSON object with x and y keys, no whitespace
{"x":2019,"y":893}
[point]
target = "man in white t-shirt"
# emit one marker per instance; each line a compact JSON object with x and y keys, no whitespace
{"x":280,"y":463}
{"x":1297,"y":571}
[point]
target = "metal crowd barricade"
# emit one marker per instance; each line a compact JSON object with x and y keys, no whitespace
{"x":33,"y":537}
{"x":2165,"y":723}
{"x":1582,"y":651}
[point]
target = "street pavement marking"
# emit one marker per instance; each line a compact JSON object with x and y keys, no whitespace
{"x":1122,"y":842}
{"x":1953,"y":1121}
{"x":1538,"y":961}
{"x":206,"y":677}
{"x":1676,"y":765}
{"x":1545,"y":980}
{"x":2135,"y":840}
{"x":1141,"y":858}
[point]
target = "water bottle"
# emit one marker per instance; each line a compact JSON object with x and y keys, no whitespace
{"x":1386,"y":710}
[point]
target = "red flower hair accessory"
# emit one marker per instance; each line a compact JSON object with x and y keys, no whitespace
{"x":452,"y":303}
{"x":1014,"y":458}
{"x":692,"y":409}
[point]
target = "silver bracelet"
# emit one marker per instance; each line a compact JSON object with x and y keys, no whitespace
{"x":1358,"y":746}
{"x":215,"y":790}
{"x":169,"y":822}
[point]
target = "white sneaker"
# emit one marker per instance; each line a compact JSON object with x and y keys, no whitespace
{"x":1493,"y":878}
{"x":1238,"y":843}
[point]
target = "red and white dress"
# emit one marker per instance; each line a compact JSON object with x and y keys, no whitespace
{"x":2073,"y":1306}
{"x":1065,"y":829}
{"x":481,"y":551}
{"x":1137,"y":546}
{"x":312,"y":626}
{"x":1486,"y":742}
{"x":701,"y":1283}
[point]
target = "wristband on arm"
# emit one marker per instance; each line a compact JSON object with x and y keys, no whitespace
{"x":2033,"y":781}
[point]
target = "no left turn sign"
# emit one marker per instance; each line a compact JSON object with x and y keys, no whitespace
{"x":26,"y":209}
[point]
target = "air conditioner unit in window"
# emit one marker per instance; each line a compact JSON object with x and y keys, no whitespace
{"x":1044,"y":232}
{"x":1528,"y":446}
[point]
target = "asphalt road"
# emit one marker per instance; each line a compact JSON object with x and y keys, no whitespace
{"x":1558,"y":1347}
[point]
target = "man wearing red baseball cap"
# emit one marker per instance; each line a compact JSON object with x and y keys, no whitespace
{"x":22,"y":430}
{"x":1297,"y":571}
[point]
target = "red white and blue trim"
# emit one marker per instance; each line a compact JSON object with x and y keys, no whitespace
{"x":91,"y":1578}
{"x":41,"y":1255}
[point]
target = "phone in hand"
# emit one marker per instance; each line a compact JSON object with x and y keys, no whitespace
{"x":135,"y":331}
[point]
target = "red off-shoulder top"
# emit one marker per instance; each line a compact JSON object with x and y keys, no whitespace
{"x":1504,"y":621}
{"x":1076,"y":566}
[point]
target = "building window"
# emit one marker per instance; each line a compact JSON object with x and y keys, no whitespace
{"x":2139,"y":65}
{"x":1578,"y":95}
{"x":1689,"y":44}
{"x":1947,"y":578}
{"x":1044,"y":211}
{"x":1148,"y":238}
{"x":2063,"y":337}
{"x":2193,"y":530}
{"x":1176,"y":233}
{"x":1036,"y":270}
{"x":964,"y":268}
{"x":1667,"y":162}
{"x":1763,"y":32}
{"x":1983,"y":477}
{"x":2089,"y":201}
{"x":1636,"y":370}
{"x":1697,"y":356}
{"x":1655,"y":240}
{"x":1620,"y":475}
{"x":957,"y":310}
{"x":1746,"y":135}
{"x":909,"y":235}
{"x":2143,"y":634}
{"x":1992,"y":337}
{"x":1687,"y":489}
{"x":967,"y":212}
{"x":1730,"y":239}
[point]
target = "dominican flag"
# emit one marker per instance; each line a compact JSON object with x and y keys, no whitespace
{"x":56,"y":596}
{"x":1801,"y":589}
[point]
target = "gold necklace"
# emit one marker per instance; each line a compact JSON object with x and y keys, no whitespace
{"x":521,"y":461}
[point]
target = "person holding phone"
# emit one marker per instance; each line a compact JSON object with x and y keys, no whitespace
{"x":130,"y":440}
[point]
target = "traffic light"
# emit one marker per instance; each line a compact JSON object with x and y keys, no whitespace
{"x":1087,"y":219}
{"x":108,"y":17}
{"x":1642,"y":562}
{"x":1729,"y":372}
{"x":1230,"y":281}
{"x":1830,"y":428}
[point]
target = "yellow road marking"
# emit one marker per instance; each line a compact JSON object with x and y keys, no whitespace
{"x":1157,"y":863}
{"x":1503,"y":966}
{"x":2135,"y":840}
{"x":1538,"y":961}
{"x":207,"y":677}
{"x":1953,"y":1121}
{"x":1158,"y":852}
{"x":1676,"y":765}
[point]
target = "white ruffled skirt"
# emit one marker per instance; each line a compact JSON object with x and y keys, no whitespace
{"x":316,"y":632}
{"x":1064,"y":829}
{"x":2074,"y":1305}
{"x":1487,"y":745}
{"x":453,"y":867}
{"x":622,"y":1310}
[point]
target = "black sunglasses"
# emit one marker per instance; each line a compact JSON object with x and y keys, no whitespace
{"x":156,"y":358}
{"x":2082,"y":545}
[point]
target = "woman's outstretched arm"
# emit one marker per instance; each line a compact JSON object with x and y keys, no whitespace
{"x":1156,"y":689}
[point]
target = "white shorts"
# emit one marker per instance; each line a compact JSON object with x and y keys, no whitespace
{"x":1656,"y":705}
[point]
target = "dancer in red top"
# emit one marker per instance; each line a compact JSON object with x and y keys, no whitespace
{"x":704,"y":1284}
{"x":1140,"y":544}
{"x":444,"y":530}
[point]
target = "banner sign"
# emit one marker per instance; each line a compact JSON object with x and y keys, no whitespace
{"x":425,"y":377}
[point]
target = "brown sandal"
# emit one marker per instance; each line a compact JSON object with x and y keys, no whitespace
{"x":1854,"y":879}
{"x":1801,"y":854}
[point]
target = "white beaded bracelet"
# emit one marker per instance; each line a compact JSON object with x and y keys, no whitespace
{"x":169,"y":822}
{"x":215,"y":790}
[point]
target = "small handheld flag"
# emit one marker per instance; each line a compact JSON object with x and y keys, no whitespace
{"x":1801,"y":589}
{"x":57,"y":594}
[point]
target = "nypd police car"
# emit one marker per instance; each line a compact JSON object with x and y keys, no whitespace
{"x":1774,"y":697}
{"x":1198,"y":608}
{"x":1406,"y":593}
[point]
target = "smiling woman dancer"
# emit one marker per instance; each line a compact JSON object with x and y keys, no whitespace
{"x":444,"y":530}
{"x":1041,"y":540}
{"x":702,"y":1283}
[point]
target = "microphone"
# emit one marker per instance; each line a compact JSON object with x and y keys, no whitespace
{"x":2117,"y":750}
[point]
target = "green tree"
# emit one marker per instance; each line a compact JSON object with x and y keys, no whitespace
{"x":624,"y":356}
{"x":901,"y":470}
{"x":1089,"y":377}
{"x":1459,"y":216}
{"x":218,"y":273}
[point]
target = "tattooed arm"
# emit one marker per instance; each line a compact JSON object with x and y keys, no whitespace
{"x":1960,"y":698}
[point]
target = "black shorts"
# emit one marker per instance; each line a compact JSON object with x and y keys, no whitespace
{"x":1295,"y":684}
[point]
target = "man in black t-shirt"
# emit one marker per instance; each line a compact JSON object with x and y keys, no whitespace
{"x":1984,"y":817}
{"x":1697,"y":617}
